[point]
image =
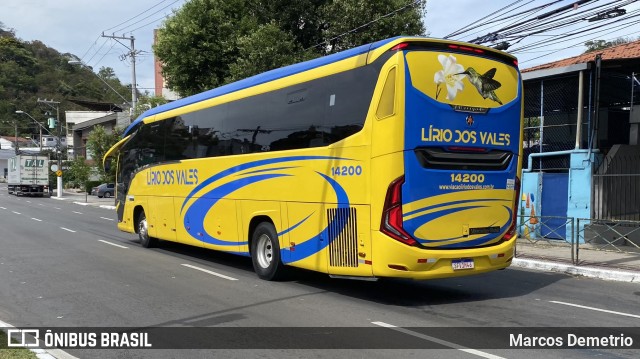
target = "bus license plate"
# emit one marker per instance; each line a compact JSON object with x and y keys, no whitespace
{"x":466,"y":263}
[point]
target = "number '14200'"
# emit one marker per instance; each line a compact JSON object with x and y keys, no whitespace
{"x":346,"y":171}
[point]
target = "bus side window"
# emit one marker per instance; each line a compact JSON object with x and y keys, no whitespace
{"x":386,"y":105}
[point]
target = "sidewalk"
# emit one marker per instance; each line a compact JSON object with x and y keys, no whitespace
{"x":88,"y":200}
{"x":587,"y":261}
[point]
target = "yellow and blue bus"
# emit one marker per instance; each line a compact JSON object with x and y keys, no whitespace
{"x":399,"y":158}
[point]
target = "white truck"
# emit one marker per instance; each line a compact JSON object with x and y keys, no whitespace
{"x":28,"y":175}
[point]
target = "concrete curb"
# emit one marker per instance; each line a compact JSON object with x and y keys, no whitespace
{"x":43,"y":353}
{"x":92,"y":204}
{"x":591,"y":272}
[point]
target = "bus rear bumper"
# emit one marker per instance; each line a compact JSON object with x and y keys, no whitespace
{"x":394,"y":259}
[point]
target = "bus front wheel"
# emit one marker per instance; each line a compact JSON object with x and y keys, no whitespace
{"x":143,"y":232}
{"x":265,"y":252}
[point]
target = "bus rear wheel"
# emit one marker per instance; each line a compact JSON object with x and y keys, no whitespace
{"x":265,"y":252}
{"x":143,"y":232}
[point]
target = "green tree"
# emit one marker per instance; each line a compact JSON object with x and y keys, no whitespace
{"x":98,"y":143}
{"x":208,"y":43}
{"x":78,"y":173}
{"x":356,"y":22}
{"x":198,"y":43}
{"x":30,"y":70}
{"x":269,"y":47}
{"x":146,"y":102}
{"x":596,"y":45}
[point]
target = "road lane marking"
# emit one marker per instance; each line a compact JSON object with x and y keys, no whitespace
{"x":40,"y":204}
{"x":439,"y":341}
{"x":28,"y":201}
{"x":596,"y":309}
{"x":108,"y":219}
{"x":76,"y":212}
{"x":35,"y":219}
{"x":16,"y":212}
{"x":113,"y":244}
{"x":56,"y":207}
{"x":3,"y":207}
{"x":67,"y":229}
{"x":210,"y":272}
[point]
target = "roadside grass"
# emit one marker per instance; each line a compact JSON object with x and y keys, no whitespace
{"x":13,"y":353}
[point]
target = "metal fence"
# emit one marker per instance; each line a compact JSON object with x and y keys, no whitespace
{"x":580,"y":241}
{"x":616,"y":187}
{"x":550,"y":120}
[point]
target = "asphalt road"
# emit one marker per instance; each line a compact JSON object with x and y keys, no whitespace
{"x":65,"y":265}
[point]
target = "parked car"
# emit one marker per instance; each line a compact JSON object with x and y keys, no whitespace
{"x":104,"y":190}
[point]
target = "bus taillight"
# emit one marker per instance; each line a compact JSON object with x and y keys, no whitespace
{"x":400,"y":46}
{"x":392,"y":214}
{"x":466,"y":48}
{"x":514,"y":220}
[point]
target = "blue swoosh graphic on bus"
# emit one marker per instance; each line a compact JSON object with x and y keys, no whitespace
{"x":268,"y":170}
{"x":420,"y":220}
{"x":195,"y":215}
{"x":294,"y":226}
{"x":245,"y":166}
{"x":446,"y":204}
{"x":321,"y":240}
{"x":483,"y":239}
{"x":486,"y":238}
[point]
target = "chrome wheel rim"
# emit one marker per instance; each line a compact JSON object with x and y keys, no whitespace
{"x":142,"y":228}
{"x":264,"y":251}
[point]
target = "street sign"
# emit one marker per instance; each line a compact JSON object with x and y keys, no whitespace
{"x":54,"y":168}
{"x":59,"y":173}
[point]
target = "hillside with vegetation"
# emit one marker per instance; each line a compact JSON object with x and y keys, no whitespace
{"x":30,"y":70}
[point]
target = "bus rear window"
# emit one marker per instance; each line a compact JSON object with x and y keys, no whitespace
{"x":462,"y":79}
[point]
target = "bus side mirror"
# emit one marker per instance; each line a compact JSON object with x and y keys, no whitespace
{"x":107,"y":165}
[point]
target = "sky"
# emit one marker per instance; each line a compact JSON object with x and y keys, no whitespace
{"x":76,"y":26}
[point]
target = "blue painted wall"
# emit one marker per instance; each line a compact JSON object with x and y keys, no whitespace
{"x":578,"y":195}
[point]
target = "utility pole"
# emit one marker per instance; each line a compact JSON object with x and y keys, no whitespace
{"x":56,"y":105}
{"x":132,"y":53}
{"x":15,"y":122}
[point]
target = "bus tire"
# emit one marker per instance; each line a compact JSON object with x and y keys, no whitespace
{"x":143,"y":232}
{"x":265,"y":252}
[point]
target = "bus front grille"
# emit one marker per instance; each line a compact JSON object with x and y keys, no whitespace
{"x":343,"y":229}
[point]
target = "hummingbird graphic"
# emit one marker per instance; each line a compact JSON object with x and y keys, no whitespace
{"x":485,"y":84}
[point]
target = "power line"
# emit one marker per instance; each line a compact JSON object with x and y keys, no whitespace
{"x":90,"y":47}
{"x":529,"y":24}
{"x":105,"y":54}
{"x":144,"y":18}
{"x":581,"y":43}
{"x":470,"y":27}
{"x":100,"y":48}
{"x":521,"y":15}
{"x":413,"y":3}
{"x":581,"y":32}
{"x":565,"y":20}
{"x":126,"y":21}
{"x":151,"y":22}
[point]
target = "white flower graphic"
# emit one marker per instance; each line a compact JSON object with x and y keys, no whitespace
{"x":450,"y":75}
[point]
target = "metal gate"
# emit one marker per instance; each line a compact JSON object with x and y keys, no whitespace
{"x":555,"y":192}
